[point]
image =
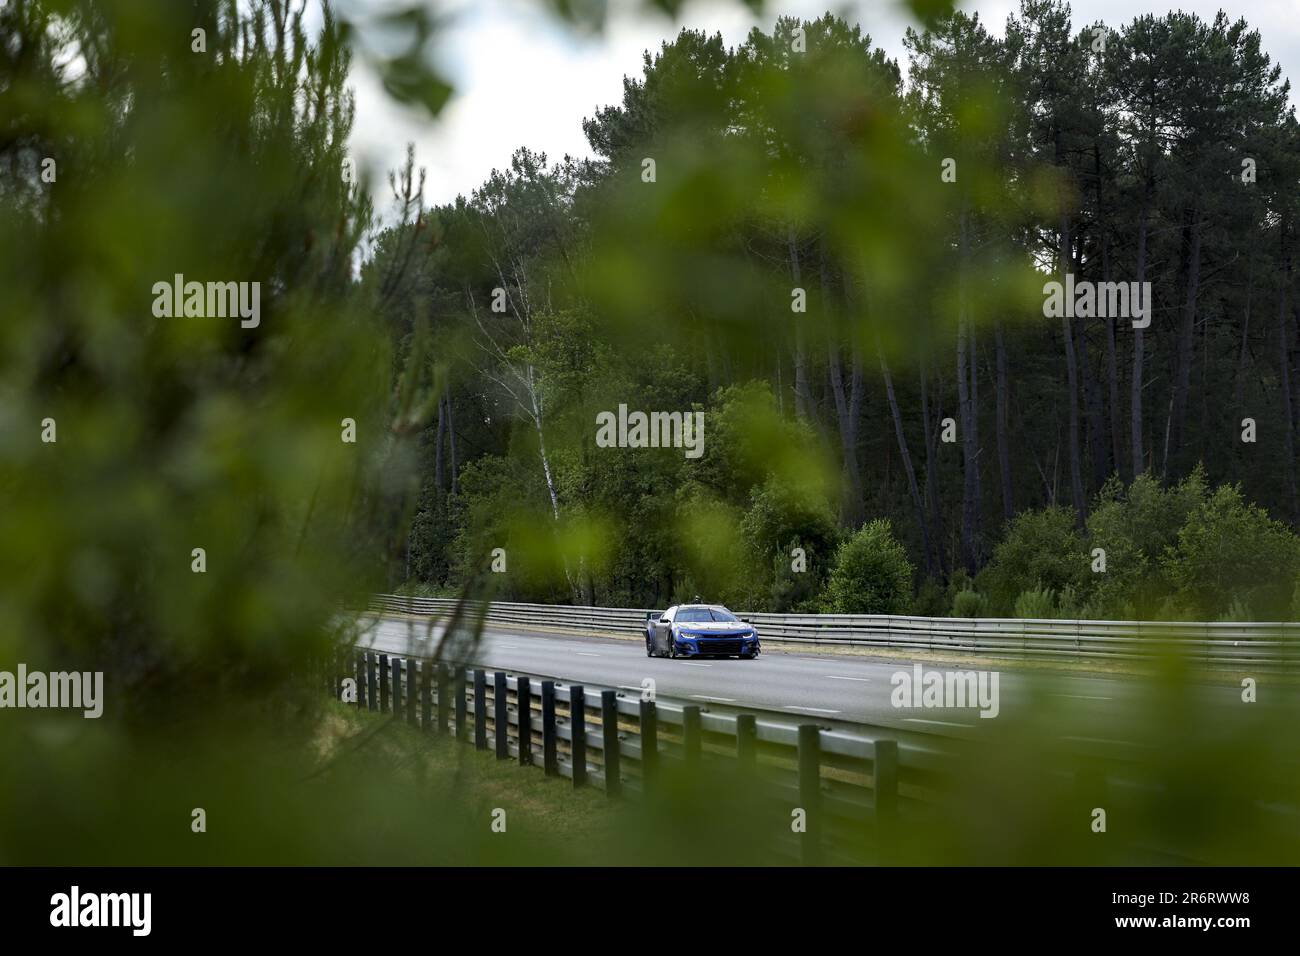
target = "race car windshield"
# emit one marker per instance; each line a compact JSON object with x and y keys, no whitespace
{"x":702,"y":615}
{"x":694,"y":615}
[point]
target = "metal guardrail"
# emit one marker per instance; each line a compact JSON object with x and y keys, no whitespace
{"x":846,"y":783}
{"x":856,"y":789}
{"x":1220,"y":643}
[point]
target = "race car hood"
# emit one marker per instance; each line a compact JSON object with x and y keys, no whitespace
{"x":715,"y":627}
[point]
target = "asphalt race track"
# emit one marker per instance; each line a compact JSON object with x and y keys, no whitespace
{"x":829,"y":689}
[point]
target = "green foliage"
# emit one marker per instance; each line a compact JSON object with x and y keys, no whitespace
{"x":184,"y":432}
{"x":1068,"y":605}
{"x":748,"y":439}
{"x":932,"y":600}
{"x":179,"y":432}
{"x":1238,"y":610}
{"x":969,"y":603}
{"x":1172,"y":553}
{"x":1037,"y":603}
{"x":715,"y":564}
{"x":1043,"y":547}
{"x":872,"y":574}
{"x":1135,"y":526}
{"x":474,"y":426}
{"x":1231,"y":552}
{"x":779,"y":520}
{"x":675,"y":294}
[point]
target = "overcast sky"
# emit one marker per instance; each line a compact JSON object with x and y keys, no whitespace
{"x":523,"y":80}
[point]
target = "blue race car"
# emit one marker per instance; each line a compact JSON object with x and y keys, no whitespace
{"x":700,"y":630}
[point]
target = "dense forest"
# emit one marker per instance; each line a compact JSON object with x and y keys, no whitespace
{"x":842,"y":263}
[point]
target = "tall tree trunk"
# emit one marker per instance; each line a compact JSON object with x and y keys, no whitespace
{"x":1092,"y":401}
{"x":1135,"y":383}
{"x":1000,"y":423}
{"x":1072,"y":426}
{"x":851,"y":499}
{"x":1186,"y":341}
{"x":780,"y":387}
{"x":451,"y":446}
{"x":575,"y":582}
{"x":970,"y":465}
{"x":1284,"y":364}
{"x":929,"y":435}
{"x":1072,"y":381}
{"x":970,"y":451}
{"x":1112,"y":364}
{"x":917,"y":504}
{"x":1065,"y":260}
{"x":1240,"y":377}
{"x":551,"y":489}
{"x":857,"y":389}
{"x":1112,"y":376}
{"x":438,"y":442}
{"x":968,"y":404}
{"x":802,"y":390}
{"x":846,"y":415}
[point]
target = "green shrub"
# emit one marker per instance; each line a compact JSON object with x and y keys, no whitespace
{"x":716,"y":561}
{"x":1041,"y":546}
{"x":1175,"y":608}
{"x":1134,"y":526}
{"x":1069,"y":607}
{"x":1238,"y":610}
{"x":1230,"y":550}
{"x":782,"y":517}
{"x":1039,"y":602}
{"x":970,"y":603}
{"x":871,"y":574}
{"x":932,"y":599}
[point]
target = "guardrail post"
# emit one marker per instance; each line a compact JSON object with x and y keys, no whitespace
{"x":397,"y":685}
{"x":810,"y":791}
{"x":426,"y":696}
{"x":384,"y":689}
{"x":361,"y":680}
{"x":444,"y":698}
{"x":524,"y":702}
{"x":747,"y":740}
{"x":372,"y":681}
{"x":480,"y":709}
{"x":609,"y":735}
{"x":499,"y":715}
{"x":578,"y":734}
{"x":884,"y":780}
{"x":691,"y":734}
{"x":409,"y":689}
{"x":458,"y":692}
{"x":649,"y":742}
{"x":550,"y":762}
{"x":395,"y":677}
